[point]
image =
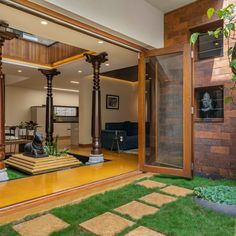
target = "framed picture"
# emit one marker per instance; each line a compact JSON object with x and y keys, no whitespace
{"x":209,"y":104}
{"x":112,"y":102}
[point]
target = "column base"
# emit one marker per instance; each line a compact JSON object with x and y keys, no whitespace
{"x":95,"y":158}
{"x":3,"y":175}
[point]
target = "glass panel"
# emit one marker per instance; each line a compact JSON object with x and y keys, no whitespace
{"x":164,"y":111}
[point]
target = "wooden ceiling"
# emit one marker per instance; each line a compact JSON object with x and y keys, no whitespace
{"x":35,"y":53}
{"x":129,"y":74}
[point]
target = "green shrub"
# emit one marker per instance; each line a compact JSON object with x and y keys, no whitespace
{"x":219,"y":194}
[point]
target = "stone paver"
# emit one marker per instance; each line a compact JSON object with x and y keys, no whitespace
{"x":178,"y":191}
{"x":143,"y":231}
{"x":136,"y":210}
{"x":107,"y":224}
{"x":151,"y":184}
{"x":157,"y":199}
{"x":40,"y":226}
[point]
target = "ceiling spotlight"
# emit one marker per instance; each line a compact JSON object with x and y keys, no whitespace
{"x":19,"y":71}
{"x":44,"y":22}
{"x":107,"y":64}
{"x":100,"y":42}
{"x":74,"y":82}
{"x":63,"y":89}
{"x":79,"y":71}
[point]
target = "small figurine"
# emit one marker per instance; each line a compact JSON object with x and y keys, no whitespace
{"x":35,"y":148}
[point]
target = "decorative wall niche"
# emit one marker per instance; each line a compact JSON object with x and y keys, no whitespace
{"x":208,"y":46}
{"x":209,"y":103}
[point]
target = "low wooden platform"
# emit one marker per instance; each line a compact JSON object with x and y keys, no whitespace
{"x":36,"y":166}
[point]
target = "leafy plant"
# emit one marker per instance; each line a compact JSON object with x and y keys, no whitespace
{"x":22,"y":125}
{"x":228,"y":15}
{"x":51,"y":148}
{"x":219,"y":194}
{"x":31,"y":125}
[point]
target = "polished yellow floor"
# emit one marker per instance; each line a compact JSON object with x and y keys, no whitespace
{"x":20,"y":190}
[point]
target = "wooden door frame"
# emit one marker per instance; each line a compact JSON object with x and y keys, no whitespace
{"x":187,"y":106}
{"x":40,"y":11}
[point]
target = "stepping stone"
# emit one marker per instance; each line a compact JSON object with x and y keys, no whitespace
{"x":107,"y":224}
{"x":136,"y":210}
{"x":158,"y":199}
{"x":40,"y":226}
{"x":178,"y":191}
{"x":143,"y":231}
{"x":151,"y":184}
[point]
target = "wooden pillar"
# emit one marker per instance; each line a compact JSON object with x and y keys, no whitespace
{"x":96,"y":61}
{"x":4,"y":35}
{"x":49,"y":127}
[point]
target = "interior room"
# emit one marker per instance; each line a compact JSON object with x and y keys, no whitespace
{"x":45,"y":45}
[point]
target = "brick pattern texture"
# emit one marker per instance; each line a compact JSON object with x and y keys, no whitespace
{"x":214,"y":143}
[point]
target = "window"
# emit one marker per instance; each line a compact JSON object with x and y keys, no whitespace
{"x":209,"y":46}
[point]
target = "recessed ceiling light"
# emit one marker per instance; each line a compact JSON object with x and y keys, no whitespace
{"x":74,"y":82}
{"x":44,"y":22}
{"x":107,"y":64}
{"x":100,"y":42}
{"x":66,"y":90}
{"x":80,"y":71}
{"x":19,"y":71}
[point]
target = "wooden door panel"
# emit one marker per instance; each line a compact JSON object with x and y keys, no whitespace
{"x":165,"y":111}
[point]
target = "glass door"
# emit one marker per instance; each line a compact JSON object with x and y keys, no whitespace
{"x":165,"y":111}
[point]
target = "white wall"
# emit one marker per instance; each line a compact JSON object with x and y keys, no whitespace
{"x":128,"y":110}
{"x":136,"y":19}
{"x":19,"y":100}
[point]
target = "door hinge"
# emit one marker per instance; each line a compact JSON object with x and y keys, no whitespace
{"x":192,"y":54}
{"x":192,"y":166}
{"x":192,"y":110}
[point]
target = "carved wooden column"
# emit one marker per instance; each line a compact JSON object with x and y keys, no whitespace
{"x":4,"y":35}
{"x":96,"y":155}
{"x":49,"y":127}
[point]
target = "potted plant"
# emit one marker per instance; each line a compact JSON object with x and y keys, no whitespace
{"x":31,"y":128}
{"x":228,"y":15}
{"x":22,"y":133}
{"x":218,"y":198}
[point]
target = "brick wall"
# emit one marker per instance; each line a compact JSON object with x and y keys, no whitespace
{"x":214,"y":143}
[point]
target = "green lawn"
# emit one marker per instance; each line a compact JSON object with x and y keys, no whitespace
{"x":14,"y":174}
{"x":181,"y":218}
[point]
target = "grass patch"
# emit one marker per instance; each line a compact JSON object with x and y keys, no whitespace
{"x":7,"y":230}
{"x":184,"y":217}
{"x":192,"y":183}
{"x":73,"y":230}
{"x":180,"y":218}
{"x":99,"y":204}
{"x":14,"y":174}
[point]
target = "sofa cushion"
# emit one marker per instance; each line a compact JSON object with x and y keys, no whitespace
{"x":128,"y":128}
{"x":114,"y":126}
{"x":134,"y":128}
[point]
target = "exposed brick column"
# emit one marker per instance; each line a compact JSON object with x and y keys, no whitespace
{"x":5,"y":34}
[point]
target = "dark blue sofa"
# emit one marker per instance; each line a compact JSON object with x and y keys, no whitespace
{"x":128,"y":130}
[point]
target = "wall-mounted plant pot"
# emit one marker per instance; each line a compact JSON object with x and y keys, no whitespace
{"x":223,"y":208}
